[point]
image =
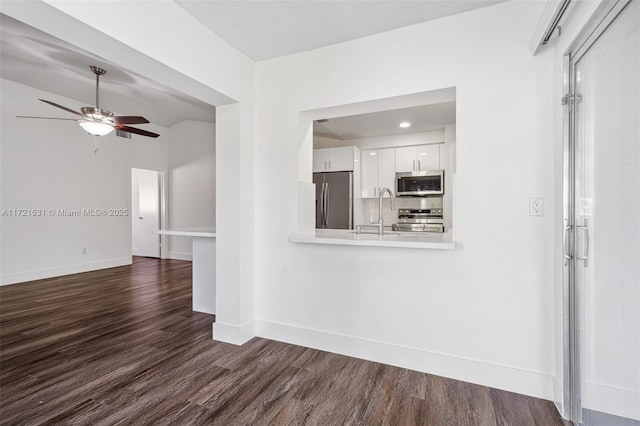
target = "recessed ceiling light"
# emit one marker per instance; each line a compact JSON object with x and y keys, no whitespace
{"x":405,"y":124}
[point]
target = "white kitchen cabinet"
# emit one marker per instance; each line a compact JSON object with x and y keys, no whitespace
{"x":320,"y":160}
{"x":334,"y":159}
{"x":369,"y":173}
{"x":428,"y":157}
{"x":386,"y":169}
{"x":418,"y":158}
{"x":378,"y":171}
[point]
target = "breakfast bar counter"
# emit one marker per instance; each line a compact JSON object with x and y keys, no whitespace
{"x":423,"y":240}
{"x":203,"y":265}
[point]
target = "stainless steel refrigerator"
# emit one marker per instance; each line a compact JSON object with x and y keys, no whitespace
{"x":334,"y":200}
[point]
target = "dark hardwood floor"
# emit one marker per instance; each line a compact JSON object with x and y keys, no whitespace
{"x":122,"y":346}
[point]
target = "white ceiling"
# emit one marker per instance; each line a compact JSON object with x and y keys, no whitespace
{"x":36,"y":59}
{"x":422,"y":118}
{"x":268,"y":29}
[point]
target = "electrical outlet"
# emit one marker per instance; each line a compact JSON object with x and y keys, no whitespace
{"x":84,"y":250}
{"x":536,"y":206}
{"x":287,"y":269}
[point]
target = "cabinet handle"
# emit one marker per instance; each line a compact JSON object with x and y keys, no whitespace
{"x":329,"y":164}
{"x":419,"y":167}
{"x":374,"y":191}
{"x":325,"y":164}
{"x":414,"y":165}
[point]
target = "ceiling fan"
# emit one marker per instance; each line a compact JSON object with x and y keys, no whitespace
{"x":97,"y":121}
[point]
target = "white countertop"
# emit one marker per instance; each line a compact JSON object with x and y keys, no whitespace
{"x":429,"y":240}
{"x":196,"y":231}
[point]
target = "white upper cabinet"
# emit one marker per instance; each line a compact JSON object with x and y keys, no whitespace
{"x":378,"y":171}
{"x":320,"y":160}
{"x":334,"y":159}
{"x":418,"y":158}
{"x":406,"y":159}
{"x":386,"y":169}
{"x":428,"y":157}
{"x":369,"y":173}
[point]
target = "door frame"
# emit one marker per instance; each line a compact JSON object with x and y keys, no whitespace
{"x":599,"y":22}
{"x":163,"y":173}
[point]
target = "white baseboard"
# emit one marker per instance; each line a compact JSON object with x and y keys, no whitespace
{"x":611,"y":400}
{"x":180,"y":256}
{"x":234,"y":334}
{"x":20,"y":277}
{"x":498,"y":376}
{"x":558,"y":398}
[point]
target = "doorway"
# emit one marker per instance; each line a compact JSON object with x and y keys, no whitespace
{"x":145,"y":212}
{"x":602,"y":220}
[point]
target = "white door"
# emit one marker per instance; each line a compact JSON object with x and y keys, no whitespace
{"x":145,"y":212}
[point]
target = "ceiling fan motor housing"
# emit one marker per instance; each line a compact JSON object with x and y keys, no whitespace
{"x":96,"y":113}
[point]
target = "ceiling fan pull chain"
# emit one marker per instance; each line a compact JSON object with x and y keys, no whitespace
{"x":95,"y":141}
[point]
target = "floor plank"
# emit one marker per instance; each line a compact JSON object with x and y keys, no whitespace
{"x":122,"y":346}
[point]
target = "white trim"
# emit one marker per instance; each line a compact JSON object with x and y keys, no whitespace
{"x":20,"y":277}
{"x":558,"y":397}
{"x":234,"y":334}
{"x":527,"y":382}
{"x":176,"y":255}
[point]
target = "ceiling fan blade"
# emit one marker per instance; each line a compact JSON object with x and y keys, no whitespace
{"x":46,"y":118}
{"x":129,"y":119}
{"x":60,"y":106}
{"x":137,"y":131}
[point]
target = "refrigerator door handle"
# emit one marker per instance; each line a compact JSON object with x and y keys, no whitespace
{"x":322,"y":205}
{"x":326,"y":204}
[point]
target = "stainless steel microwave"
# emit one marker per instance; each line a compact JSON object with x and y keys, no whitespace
{"x":420,"y":184}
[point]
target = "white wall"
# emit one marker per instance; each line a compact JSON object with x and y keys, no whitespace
{"x":481,"y":313}
{"x":192,"y":181}
{"x":48,"y":164}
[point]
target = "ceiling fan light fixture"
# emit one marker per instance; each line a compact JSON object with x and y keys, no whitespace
{"x":96,"y":129}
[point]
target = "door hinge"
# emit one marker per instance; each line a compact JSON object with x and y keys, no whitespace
{"x":571,"y":98}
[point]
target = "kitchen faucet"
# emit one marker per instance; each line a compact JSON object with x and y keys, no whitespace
{"x":391,"y":202}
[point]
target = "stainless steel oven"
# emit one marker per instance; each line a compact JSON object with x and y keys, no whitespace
{"x":419,"y":220}
{"x":420,"y":184}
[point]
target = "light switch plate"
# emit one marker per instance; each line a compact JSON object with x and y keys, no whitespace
{"x":536,"y":206}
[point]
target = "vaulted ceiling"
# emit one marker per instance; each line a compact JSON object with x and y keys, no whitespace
{"x":268,"y":29}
